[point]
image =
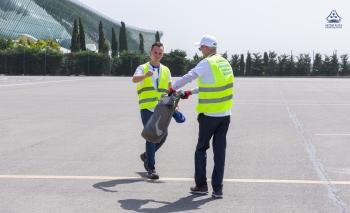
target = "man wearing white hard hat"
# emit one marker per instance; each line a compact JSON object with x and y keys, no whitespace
{"x":215,"y":93}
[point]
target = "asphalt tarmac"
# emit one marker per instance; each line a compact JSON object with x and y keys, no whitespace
{"x":72,"y":144}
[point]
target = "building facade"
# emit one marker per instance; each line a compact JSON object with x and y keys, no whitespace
{"x":46,"y":19}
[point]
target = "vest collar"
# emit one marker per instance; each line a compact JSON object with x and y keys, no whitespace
{"x":211,"y":55}
{"x":150,"y":65}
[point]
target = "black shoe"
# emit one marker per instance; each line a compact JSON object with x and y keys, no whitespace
{"x":152,"y":174}
{"x":199,"y":190}
{"x":217,"y":194}
{"x":144,"y":159}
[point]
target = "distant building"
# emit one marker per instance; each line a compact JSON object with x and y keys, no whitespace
{"x":46,"y":19}
{"x":25,"y":36}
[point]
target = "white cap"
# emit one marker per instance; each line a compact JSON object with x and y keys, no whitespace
{"x":207,"y":40}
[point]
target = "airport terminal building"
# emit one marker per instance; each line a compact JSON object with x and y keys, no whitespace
{"x":46,"y":19}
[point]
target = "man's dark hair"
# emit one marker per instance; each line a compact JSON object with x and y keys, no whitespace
{"x":158,"y":44}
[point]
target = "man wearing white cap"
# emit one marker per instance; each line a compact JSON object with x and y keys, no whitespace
{"x":215,"y":92}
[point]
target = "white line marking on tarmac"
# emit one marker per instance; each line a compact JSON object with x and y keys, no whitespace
{"x":38,"y":83}
{"x":332,"y":134}
{"x":170,"y":179}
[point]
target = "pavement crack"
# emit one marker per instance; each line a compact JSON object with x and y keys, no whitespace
{"x":318,"y":165}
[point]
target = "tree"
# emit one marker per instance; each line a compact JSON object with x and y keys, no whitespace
{"x":23,"y":42}
{"x":101,"y":37}
{"x":327,"y":67}
{"x":241,"y":65}
{"x":248,"y":64}
{"x":123,"y":43}
{"x":82,"y":36}
{"x":106,"y":47}
{"x":78,"y":39}
{"x":75,"y":47}
{"x":50,"y":43}
{"x":292,"y":66}
{"x":317,"y":65}
{"x":257,"y":65}
{"x":335,"y":64}
{"x":127,"y":62}
{"x":114,"y":43}
{"x":303,"y":64}
{"x":142,"y":46}
{"x":3,"y":43}
{"x":35,"y":52}
{"x":224,"y":55}
{"x":197,"y":58}
{"x":307,"y":64}
{"x":193,"y":62}
{"x":88,"y":63}
{"x":266,"y":63}
{"x":10,"y":43}
{"x":272,"y":66}
{"x":157,"y":37}
{"x":344,"y":64}
{"x":176,"y":61}
{"x":103,"y":44}
{"x":235,"y":63}
{"x":283,"y":63}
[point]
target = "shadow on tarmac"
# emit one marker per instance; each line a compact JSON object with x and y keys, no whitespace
{"x":112,"y":183}
{"x":183,"y":204}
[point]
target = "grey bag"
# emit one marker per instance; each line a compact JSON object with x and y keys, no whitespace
{"x":157,"y":125}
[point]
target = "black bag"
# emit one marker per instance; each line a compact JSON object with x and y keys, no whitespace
{"x":157,"y":125}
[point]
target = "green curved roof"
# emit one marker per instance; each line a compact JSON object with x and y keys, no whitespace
{"x":47,"y":19}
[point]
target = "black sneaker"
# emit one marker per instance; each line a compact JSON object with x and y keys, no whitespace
{"x":144,"y":159}
{"x":199,"y":190}
{"x":152,"y":174}
{"x":217,"y":194}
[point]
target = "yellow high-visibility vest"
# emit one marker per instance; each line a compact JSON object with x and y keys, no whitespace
{"x":148,"y":96}
{"x":216,"y":97}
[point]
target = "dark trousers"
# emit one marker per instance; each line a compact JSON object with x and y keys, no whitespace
{"x":217,"y":128}
{"x":151,"y":148}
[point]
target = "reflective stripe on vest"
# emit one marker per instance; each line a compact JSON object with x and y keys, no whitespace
{"x":148,"y":96}
{"x":216,"y":97}
{"x":163,"y":90}
{"x":148,"y":100}
{"x":217,"y":89}
{"x":215,"y":100}
{"x":145,"y":89}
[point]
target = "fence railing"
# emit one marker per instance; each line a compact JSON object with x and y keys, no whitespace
{"x":49,"y":62}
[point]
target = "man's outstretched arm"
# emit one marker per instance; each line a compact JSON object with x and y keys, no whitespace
{"x":139,"y":77}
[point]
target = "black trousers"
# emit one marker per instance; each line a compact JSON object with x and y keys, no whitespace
{"x":216,"y":128}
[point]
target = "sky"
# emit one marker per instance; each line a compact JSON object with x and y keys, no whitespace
{"x":239,"y":26}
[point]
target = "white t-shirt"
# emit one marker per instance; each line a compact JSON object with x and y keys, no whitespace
{"x":202,"y":70}
{"x":155,"y":77}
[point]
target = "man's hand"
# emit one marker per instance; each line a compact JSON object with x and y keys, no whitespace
{"x":148,"y":74}
{"x":186,"y":94}
{"x":140,"y":77}
{"x":171,"y":91}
